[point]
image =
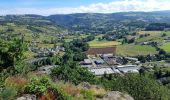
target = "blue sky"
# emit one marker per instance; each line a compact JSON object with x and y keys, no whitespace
{"x":47,"y":7}
{"x":49,"y":3}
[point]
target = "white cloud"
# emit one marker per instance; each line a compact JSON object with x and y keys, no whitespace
{"x":115,"y":6}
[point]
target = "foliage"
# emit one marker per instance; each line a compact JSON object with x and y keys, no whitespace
{"x":88,"y":95}
{"x":43,"y":87}
{"x":22,"y":68}
{"x":75,"y":48}
{"x":37,"y":85}
{"x":11,"y":52}
{"x":140,"y":87}
{"x":18,"y":82}
{"x":72,"y":72}
{"x":8,"y":93}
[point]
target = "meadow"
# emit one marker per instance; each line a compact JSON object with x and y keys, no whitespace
{"x":134,"y":50}
{"x":102,"y":43}
{"x":166,"y":47}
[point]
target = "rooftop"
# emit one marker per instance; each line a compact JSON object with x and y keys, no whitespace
{"x":102,"y":71}
{"x":87,"y":61}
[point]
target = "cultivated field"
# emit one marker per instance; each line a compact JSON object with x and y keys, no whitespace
{"x":134,"y":50}
{"x":105,"y":50}
{"x":99,"y":44}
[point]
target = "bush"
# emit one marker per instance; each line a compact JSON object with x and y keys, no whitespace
{"x":37,"y":85}
{"x":18,"y":82}
{"x":8,"y":93}
{"x":140,"y":87}
{"x":88,"y":95}
{"x":72,"y":72}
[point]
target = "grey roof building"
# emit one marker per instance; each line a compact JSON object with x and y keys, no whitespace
{"x":128,"y":68}
{"x":103,"y":70}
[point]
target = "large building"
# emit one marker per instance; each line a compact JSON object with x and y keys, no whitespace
{"x":99,"y":51}
{"x":99,"y":71}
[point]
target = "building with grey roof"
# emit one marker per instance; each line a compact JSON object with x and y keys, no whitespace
{"x":103,"y":70}
{"x":128,"y":68}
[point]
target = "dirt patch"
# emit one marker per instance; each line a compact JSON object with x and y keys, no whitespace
{"x":106,"y":50}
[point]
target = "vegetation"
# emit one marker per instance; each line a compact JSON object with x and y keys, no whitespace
{"x":134,"y":50}
{"x":72,"y":72}
{"x":103,"y":43}
{"x":166,"y":47}
{"x":140,"y":87}
{"x":66,"y":80}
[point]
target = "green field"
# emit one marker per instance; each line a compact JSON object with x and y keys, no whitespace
{"x":134,"y":50}
{"x":154,"y":36}
{"x":103,"y":43}
{"x":166,"y":47}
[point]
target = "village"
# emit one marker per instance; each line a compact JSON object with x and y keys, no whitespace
{"x":99,"y":61}
{"x":104,"y":61}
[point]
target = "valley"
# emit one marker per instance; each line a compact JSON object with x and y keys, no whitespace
{"x":86,"y":56}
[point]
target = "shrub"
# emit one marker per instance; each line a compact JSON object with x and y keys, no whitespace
{"x":37,"y":85}
{"x":8,"y":93}
{"x":88,"y":94}
{"x":18,"y":82}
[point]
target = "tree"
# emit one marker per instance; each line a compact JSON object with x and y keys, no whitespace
{"x":139,"y":87}
{"x":142,"y":71}
{"x":72,"y":72}
{"x":11,"y":52}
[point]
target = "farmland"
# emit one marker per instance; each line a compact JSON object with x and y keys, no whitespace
{"x":102,"y":43}
{"x":134,"y":50}
{"x":153,"y":36}
{"x":166,"y":47}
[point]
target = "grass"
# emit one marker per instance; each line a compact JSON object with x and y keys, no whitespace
{"x":166,"y":69}
{"x":29,"y":55}
{"x":70,"y":38}
{"x":46,"y":45}
{"x":166,"y":47}
{"x":103,"y":43}
{"x":134,"y":50}
{"x":154,"y":36}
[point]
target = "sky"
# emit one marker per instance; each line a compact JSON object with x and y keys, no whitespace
{"x":49,"y":7}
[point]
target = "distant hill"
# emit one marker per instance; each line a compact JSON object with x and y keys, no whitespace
{"x":31,"y":26}
{"x":106,"y":22}
{"x":91,"y":22}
